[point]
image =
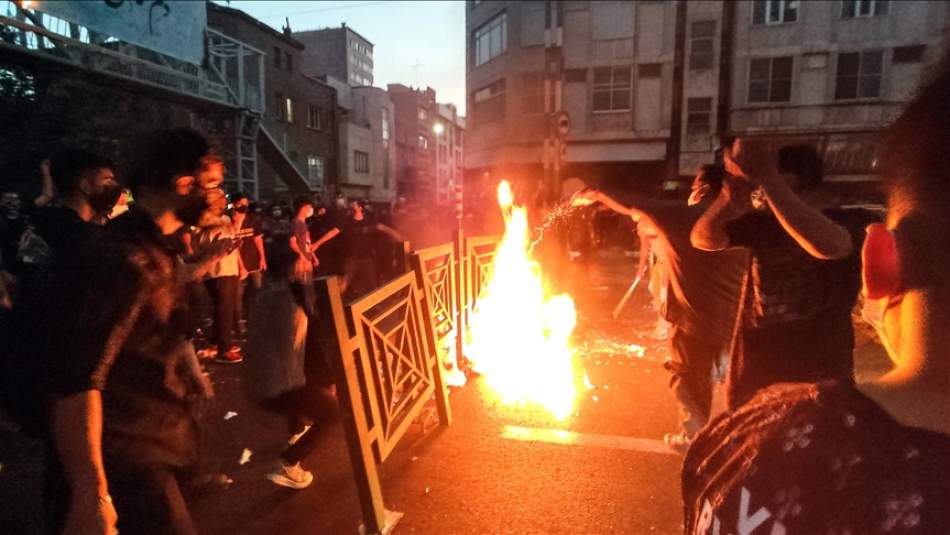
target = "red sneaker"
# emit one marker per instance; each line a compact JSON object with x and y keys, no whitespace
{"x":229,"y":357}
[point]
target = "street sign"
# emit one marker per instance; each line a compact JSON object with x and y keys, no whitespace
{"x":176,"y":29}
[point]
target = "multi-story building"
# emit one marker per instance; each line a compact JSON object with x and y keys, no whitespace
{"x":367,"y":148}
{"x":415,"y":113}
{"x":297,"y":137}
{"x":833,"y":74}
{"x":448,"y":134}
{"x":338,"y":52}
{"x":603,"y":68}
{"x":830,"y":73}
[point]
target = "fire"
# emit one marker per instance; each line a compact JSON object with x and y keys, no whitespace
{"x":519,"y":333}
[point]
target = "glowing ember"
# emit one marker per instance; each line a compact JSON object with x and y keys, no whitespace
{"x":519,"y":333}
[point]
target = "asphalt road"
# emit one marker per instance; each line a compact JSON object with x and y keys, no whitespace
{"x":497,"y":469}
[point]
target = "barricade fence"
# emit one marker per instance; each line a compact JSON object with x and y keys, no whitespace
{"x":388,"y":349}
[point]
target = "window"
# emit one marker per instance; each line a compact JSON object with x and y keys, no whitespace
{"x":774,"y":11}
{"x":490,"y":103}
{"x":770,"y":79}
{"x":384,"y":125}
{"x":698,"y":115}
{"x":423,"y":142}
{"x":613,"y":88}
{"x":316,"y":169}
{"x":422,"y":114}
{"x":314,"y":117}
{"x":532,"y":92}
{"x":360,"y":161}
{"x":289,"y":61}
{"x":289,"y":109}
{"x":490,"y":40}
{"x":702,"y":53}
{"x":863,"y":8}
{"x":859,"y":75}
{"x":277,"y":57}
{"x":279,"y":110}
{"x":909,"y":54}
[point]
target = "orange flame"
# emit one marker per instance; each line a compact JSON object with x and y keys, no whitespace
{"x":519,"y":333}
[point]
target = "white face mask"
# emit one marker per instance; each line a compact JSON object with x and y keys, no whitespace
{"x":873,"y":313}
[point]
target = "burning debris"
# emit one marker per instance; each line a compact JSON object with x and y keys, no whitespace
{"x":520,"y":334}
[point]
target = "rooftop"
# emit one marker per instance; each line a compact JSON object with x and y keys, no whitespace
{"x":337,"y":28}
{"x":251,"y":20}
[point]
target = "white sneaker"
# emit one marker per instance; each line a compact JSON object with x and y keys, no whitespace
{"x":291,"y":476}
{"x":294,"y":438}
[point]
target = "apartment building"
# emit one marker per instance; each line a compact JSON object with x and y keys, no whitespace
{"x":367,"y":148}
{"x":297,"y":137}
{"x":449,"y":135}
{"x":338,"y":52}
{"x":595,"y":90}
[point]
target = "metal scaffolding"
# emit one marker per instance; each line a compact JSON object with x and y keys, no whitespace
{"x":227,"y":92}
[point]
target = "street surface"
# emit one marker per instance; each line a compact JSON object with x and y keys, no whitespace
{"x":495,"y":470}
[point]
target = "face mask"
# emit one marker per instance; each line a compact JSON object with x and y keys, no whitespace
{"x":191,"y":208}
{"x":240,"y":209}
{"x":104,"y":200}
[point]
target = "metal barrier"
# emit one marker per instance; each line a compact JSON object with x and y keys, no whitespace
{"x":387,"y":356}
{"x":387,"y":369}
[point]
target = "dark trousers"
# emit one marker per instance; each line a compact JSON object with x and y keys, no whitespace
{"x":249,"y":288}
{"x":224,"y":295}
{"x":691,"y":382}
{"x":315,"y":405}
{"x":147,"y":499}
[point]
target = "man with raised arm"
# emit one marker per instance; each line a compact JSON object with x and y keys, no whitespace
{"x":804,"y":279}
{"x":871,"y":458}
{"x":702,"y":295}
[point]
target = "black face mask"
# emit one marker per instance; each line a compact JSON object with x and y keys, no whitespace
{"x":104,"y":200}
{"x":191,"y":207}
{"x":240,"y":209}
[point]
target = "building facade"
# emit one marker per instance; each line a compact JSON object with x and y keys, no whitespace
{"x":296,"y":142}
{"x":605,"y":69}
{"x":448,"y":134}
{"x":415,"y":112}
{"x":833,"y":74}
{"x":593,"y":89}
{"x":367,"y":148}
{"x":338,"y":52}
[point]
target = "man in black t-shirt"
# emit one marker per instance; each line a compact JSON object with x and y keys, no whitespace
{"x":871,"y":458}
{"x":119,"y":412}
{"x":358,"y":238}
{"x":702,"y":297}
{"x":804,"y":278}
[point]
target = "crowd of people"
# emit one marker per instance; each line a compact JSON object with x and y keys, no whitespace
{"x":101,"y":334}
{"x":102,"y":317}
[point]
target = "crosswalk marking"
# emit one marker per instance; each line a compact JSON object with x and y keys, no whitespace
{"x":560,"y":436}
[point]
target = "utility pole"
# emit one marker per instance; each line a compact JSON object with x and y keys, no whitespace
{"x":552,"y":149}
